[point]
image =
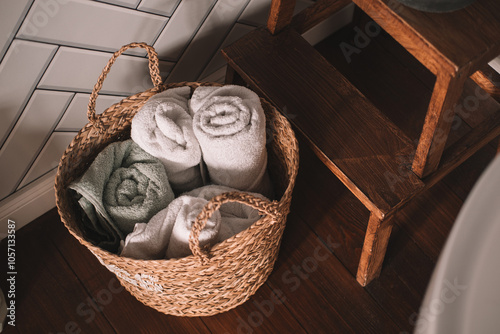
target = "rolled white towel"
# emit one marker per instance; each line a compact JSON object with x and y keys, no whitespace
{"x":166,"y":235}
{"x":149,"y":241}
{"x":230,"y":126}
{"x":183,"y":211}
{"x":163,"y":128}
{"x":235,"y":217}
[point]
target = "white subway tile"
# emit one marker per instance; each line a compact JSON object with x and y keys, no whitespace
{"x":49,"y":156}
{"x":89,"y":24}
{"x":21,"y":68}
{"x":256,"y":12}
{"x":126,"y":3}
{"x":207,"y":40}
{"x":29,"y":135}
{"x":218,"y":61}
{"x":183,"y":24}
{"x":12,"y":12}
{"x":160,"y":7}
{"x":78,"y":70}
{"x":75,"y":116}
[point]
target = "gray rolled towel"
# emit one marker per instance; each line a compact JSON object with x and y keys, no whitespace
{"x":123,"y":186}
{"x":230,"y":126}
{"x":163,"y":128}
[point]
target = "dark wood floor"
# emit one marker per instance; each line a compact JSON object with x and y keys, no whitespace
{"x":62,"y":288}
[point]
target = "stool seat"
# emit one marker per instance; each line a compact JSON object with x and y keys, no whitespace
{"x":359,"y":144}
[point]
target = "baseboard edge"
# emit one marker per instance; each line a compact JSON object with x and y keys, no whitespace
{"x":29,"y":203}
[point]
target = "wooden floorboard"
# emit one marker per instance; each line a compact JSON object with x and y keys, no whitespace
{"x":59,"y":282}
{"x":308,"y":265}
{"x":332,"y":210}
{"x":50,"y":296}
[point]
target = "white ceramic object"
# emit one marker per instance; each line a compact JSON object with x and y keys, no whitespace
{"x":495,"y":64}
{"x":463,"y":296}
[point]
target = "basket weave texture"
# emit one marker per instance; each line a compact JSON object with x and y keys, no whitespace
{"x":209,"y":281}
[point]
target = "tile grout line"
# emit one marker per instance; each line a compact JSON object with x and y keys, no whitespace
{"x":42,"y":146}
{"x":227,"y":32}
{"x":27,"y":99}
{"x":190,"y":38}
{"x":18,"y":24}
{"x":23,"y":108}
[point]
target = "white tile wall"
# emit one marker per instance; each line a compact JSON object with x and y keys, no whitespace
{"x":29,"y":135}
{"x":207,"y":41}
{"x":126,"y":3}
{"x":179,"y":31}
{"x":52,"y":52}
{"x":217,"y":61}
{"x":89,"y":24}
{"x":49,"y":157}
{"x":20,"y":70}
{"x":160,"y":7}
{"x":75,"y":116}
{"x":129,"y":74}
{"x":256,"y":12}
{"x":12,"y":13}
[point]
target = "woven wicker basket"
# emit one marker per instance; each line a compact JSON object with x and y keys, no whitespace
{"x":210,"y":281}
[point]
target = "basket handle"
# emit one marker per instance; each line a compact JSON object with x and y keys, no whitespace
{"x":154,"y":71}
{"x":262,"y":205}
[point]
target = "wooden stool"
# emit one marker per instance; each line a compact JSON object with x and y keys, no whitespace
{"x":354,"y":139}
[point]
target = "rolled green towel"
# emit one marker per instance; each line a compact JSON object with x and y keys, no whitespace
{"x":123,"y":186}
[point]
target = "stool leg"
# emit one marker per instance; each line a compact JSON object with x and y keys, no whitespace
{"x":280,"y":15}
{"x":438,"y":120}
{"x":374,"y":247}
